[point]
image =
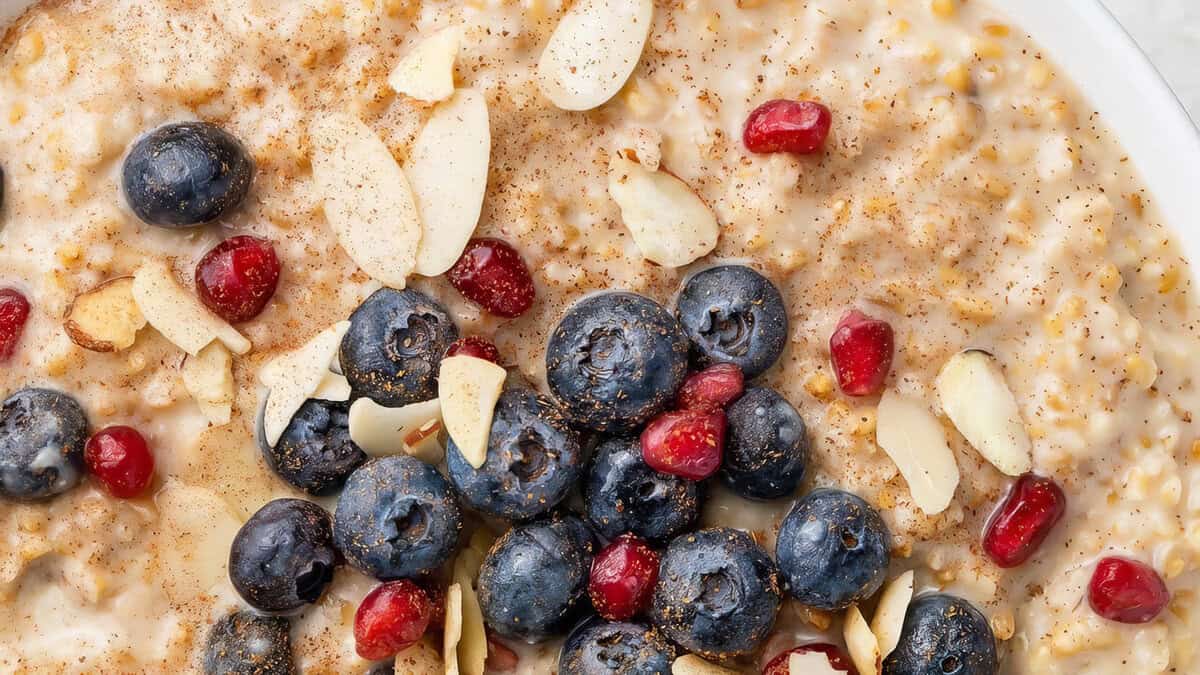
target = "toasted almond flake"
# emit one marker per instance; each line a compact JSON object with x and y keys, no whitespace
{"x":178,"y":314}
{"x":690,"y":664}
{"x":424,"y":443}
{"x":889,"y":613}
{"x":472,"y":645}
{"x":106,"y":318}
{"x":448,"y":169}
{"x":468,"y":389}
{"x":916,"y":442}
{"x":333,"y":387}
{"x":427,"y":71}
{"x":975,"y":396}
{"x":861,"y":643}
{"x":452,"y":632}
{"x":670,"y":224}
{"x":368,"y":201}
{"x":811,"y":663}
{"x":593,"y":50}
{"x":292,"y":378}
{"x":380,"y":430}
{"x":208,"y":377}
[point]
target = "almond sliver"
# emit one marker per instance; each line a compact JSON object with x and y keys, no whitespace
{"x":593,"y":50}
{"x":916,"y":442}
{"x":293,"y":377}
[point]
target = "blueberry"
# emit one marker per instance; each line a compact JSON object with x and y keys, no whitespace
{"x":186,"y":174}
{"x":244,"y":643}
{"x":733,"y":314}
{"x":42,"y":433}
{"x":533,"y":460}
{"x":943,"y":635}
{"x":623,"y":494}
{"x":283,"y":557}
{"x":833,"y":549}
{"x":533,"y":582}
{"x":315,"y":452}
{"x":717,"y":593}
{"x":766,"y":446}
{"x":395,"y":343}
{"x":615,"y":360}
{"x":396,"y":518}
{"x":598,"y":647}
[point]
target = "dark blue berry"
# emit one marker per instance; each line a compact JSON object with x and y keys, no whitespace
{"x":42,"y":433}
{"x":534,"y":458}
{"x":396,"y":518}
{"x":315,"y":452}
{"x":598,"y":647}
{"x":833,"y":549}
{"x":244,"y":643}
{"x":623,"y":494}
{"x":766,"y":446}
{"x":283,"y":557}
{"x":943,"y":635}
{"x":186,"y":174}
{"x":733,"y":314}
{"x":717,"y":593}
{"x":394,"y":346}
{"x":533,"y":583}
{"x":615,"y":360}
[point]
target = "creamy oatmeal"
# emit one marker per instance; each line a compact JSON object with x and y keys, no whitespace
{"x":966,"y":195}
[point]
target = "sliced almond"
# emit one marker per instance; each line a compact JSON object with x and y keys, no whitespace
{"x":889,"y":613}
{"x":976,"y":397}
{"x":811,"y":663}
{"x":472,"y":645}
{"x":178,"y":315}
{"x":293,"y":377}
{"x":368,"y":201}
{"x":593,"y":50}
{"x":422,"y":658}
{"x":468,"y":388}
{"x":208,"y":377}
{"x":448,"y":169}
{"x":427,"y":71}
{"x":670,"y":224}
{"x":690,"y":664}
{"x":424,"y":442}
{"x":380,"y":430}
{"x":916,"y":442}
{"x":861,"y":643}
{"x":106,"y":318}
{"x":452,"y":632}
{"x":333,"y":387}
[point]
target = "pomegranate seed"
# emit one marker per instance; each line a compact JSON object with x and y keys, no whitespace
{"x":781,"y":125}
{"x":685,"y":443}
{"x":14,"y":311}
{"x":500,"y":659}
{"x":1023,"y":520}
{"x":473,"y":345}
{"x":837,"y":660}
{"x":120,"y":459}
{"x":623,"y":578}
{"x":492,"y":274}
{"x":712,"y":388}
{"x":237,"y":277}
{"x":392,"y":617}
{"x":861,"y":350}
{"x":1127,"y":591}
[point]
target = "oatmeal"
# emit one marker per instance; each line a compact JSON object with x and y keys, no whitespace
{"x":966,"y":198}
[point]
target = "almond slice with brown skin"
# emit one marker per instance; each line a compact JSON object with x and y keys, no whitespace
{"x":380,"y":430}
{"x":106,"y":318}
{"x":916,"y":442}
{"x":593,"y":50}
{"x":975,"y":396}
{"x":427,"y":71}
{"x":670,"y":224}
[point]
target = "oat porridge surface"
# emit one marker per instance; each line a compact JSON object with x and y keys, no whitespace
{"x":967,"y":195}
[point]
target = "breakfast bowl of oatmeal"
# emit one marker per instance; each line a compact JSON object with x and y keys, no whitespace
{"x":837,"y":336}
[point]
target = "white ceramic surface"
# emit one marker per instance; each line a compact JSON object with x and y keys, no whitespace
{"x":1119,"y":80}
{"x":1169,"y":31}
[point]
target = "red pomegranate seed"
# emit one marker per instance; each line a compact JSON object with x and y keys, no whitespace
{"x":623,"y":578}
{"x":120,"y":459}
{"x":837,"y":660}
{"x":473,"y":345}
{"x":1127,"y":591}
{"x":685,"y":443}
{"x":712,"y":388}
{"x":500,"y":659}
{"x":14,"y":312}
{"x":492,"y":274}
{"x":392,"y":617}
{"x":861,"y":350}
{"x":781,"y":125}
{"x":237,"y":277}
{"x":1023,"y":520}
